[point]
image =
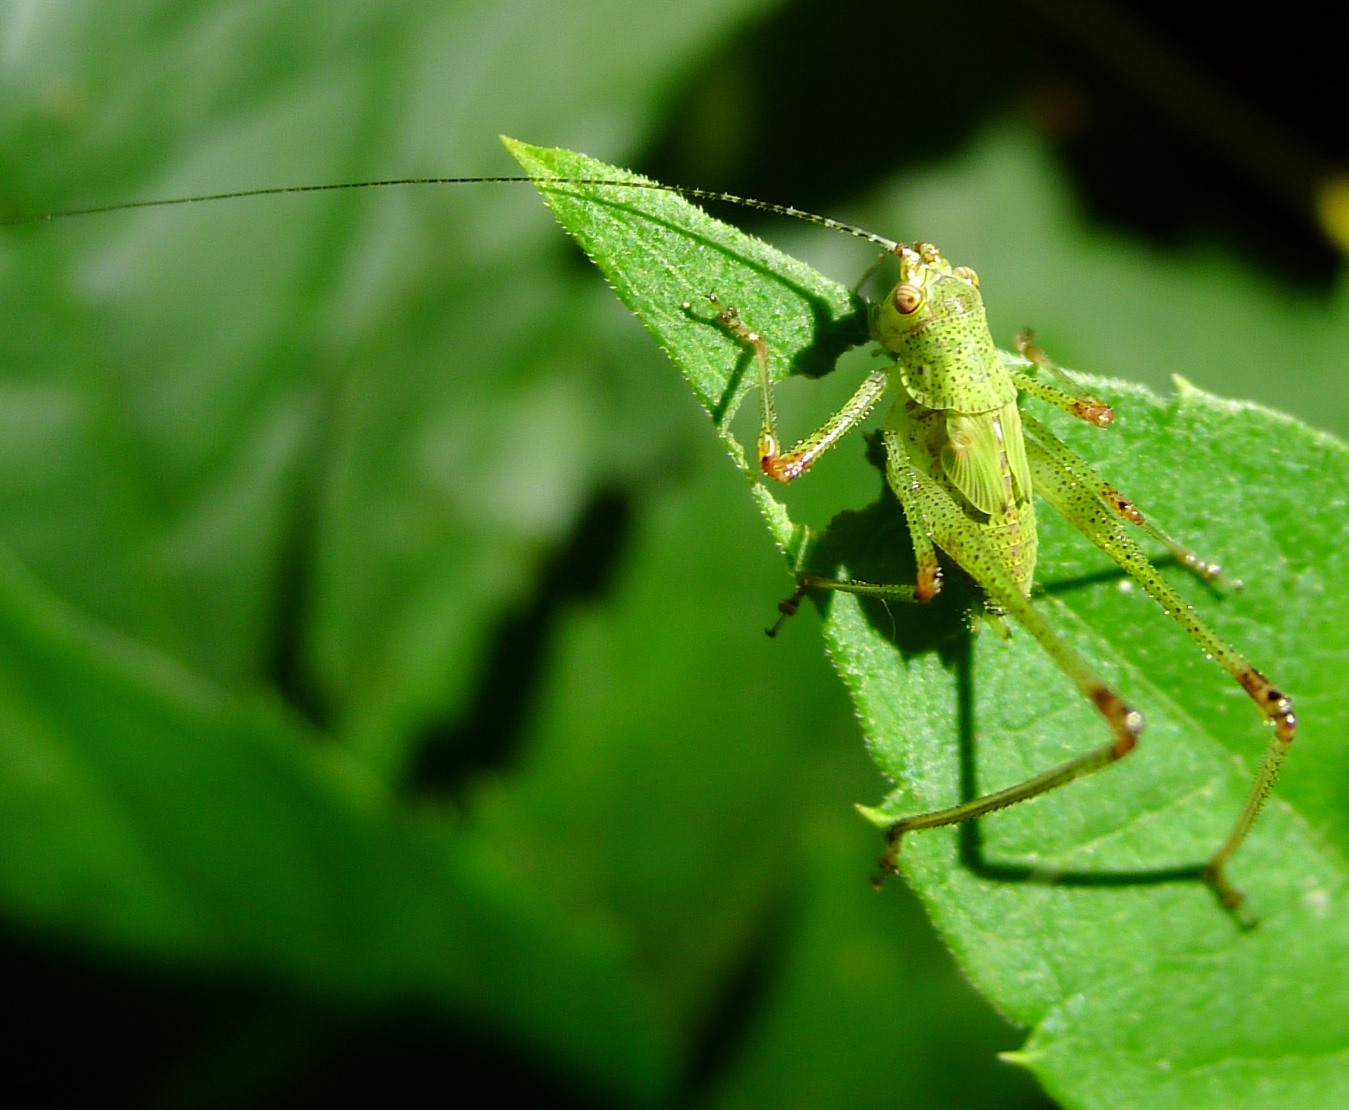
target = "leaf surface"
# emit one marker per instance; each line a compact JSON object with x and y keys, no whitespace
{"x":1139,"y":991}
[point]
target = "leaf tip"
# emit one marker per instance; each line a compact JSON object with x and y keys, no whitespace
{"x":874,"y":815}
{"x":1185,"y":387}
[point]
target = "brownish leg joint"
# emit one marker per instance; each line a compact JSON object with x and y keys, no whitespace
{"x":788,"y":607}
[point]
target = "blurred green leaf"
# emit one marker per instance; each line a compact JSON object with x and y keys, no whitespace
{"x":157,"y":814}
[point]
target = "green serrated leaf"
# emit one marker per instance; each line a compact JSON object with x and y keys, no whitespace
{"x":1140,"y":990}
{"x":664,"y":275}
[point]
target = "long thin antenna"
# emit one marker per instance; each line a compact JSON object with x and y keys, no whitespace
{"x":285,"y":190}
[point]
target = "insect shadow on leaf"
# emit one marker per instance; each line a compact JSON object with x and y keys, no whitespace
{"x":871,"y":544}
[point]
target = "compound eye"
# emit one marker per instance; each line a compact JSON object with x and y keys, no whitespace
{"x":907,"y":298}
{"x":968,"y":274}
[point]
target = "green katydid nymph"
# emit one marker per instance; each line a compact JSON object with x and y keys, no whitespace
{"x":965,"y":463}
